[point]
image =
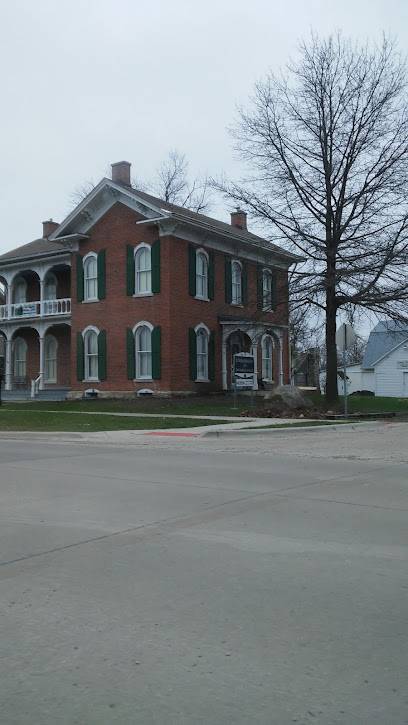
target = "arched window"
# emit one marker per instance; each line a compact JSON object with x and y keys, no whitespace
{"x":91,"y":355}
{"x":267,"y":347}
{"x":50,"y":287}
{"x":143,"y":269}
{"x":90,"y":277}
{"x":20,"y":358}
{"x":202,"y":275}
{"x":20,"y":290}
{"x":267,"y":289}
{"x":236,"y":274}
{"x":143,"y":340}
{"x":50,"y":359}
{"x":202,"y":353}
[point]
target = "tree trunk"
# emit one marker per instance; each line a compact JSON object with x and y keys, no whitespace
{"x":331,"y":349}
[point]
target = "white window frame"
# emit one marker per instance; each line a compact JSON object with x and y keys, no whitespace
{"x":202,"y":253}
{"x":267,"y":362}
{"x":48,"y":339}
{"x":138,"y":253}
{"x":22,"y":283}
{"x":202,"y":332}
{"x":267,"y":290}
{"x":236,"y":299}
{"x":136,"y":333}
{"x":86,"y":261}
{"x":21,"y":360}
{"x":87,"y":355}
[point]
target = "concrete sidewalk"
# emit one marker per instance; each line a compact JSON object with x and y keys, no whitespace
{"x":230,"y":430}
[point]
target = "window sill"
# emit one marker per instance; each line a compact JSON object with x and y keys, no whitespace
{"x":143,"y":294}
{"x":86,"y":302}
{"x":91,"y":380}
{"x":142,"y":380}
{"x":203,"y":299}
{"x":237,"y":304}
{"x":202,"y":380}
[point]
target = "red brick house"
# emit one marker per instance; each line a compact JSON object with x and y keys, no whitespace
{"x":130,"y":292}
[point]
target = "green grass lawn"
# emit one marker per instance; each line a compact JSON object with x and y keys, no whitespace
{"x":222,"y":406}
{"x":217,"y":407}
{"x":41,"y":420}
{"x":368,"y":404}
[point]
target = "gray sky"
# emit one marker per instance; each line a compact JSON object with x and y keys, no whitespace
{"x":89,"y":82}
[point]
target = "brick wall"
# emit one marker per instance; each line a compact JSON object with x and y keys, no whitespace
{"x":63,"y":283}
{"x":62,"y":334}
{"x":173,"y":308}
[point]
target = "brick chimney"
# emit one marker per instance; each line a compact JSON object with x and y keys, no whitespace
{"x":49,"y":227}
{"x":239,"y":219}
{"x":121,"y":172}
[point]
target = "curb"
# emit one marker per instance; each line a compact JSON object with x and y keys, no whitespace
{"x":292,"y":429}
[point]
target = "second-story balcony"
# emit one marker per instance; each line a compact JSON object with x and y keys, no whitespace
{"x":26,"y":310}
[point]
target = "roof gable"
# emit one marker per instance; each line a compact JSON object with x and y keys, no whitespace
{"x":385,"y":337}
{"x":107,"y":193}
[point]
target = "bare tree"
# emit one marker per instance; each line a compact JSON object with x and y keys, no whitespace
{"x":80,"y":192}
{"x":170,"y":183}
{"x":326,"y":147}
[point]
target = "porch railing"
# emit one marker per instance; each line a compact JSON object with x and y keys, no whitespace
{"x":33,"y":309}
{"x":35,"y":385}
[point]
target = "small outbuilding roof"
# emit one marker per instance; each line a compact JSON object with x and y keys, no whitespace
{"x":385,"y":336}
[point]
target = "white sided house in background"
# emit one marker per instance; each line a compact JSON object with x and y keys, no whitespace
{"x":357,"y":379}
{"x":384,"y":369}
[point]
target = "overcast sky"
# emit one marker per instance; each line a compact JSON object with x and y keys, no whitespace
{"x":89,"y":82}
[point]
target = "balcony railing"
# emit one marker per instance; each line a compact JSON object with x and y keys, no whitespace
{"x":50,"y":308}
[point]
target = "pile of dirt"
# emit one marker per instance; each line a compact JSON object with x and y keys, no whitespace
{"x":311,"y":414}
{"x":278,"y":409}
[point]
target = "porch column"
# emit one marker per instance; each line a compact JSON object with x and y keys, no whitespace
{"x":7,"y":381}
{"x":8,"y":300}
{"x":41,"y":340}
{"x":254,"y":352}
{"x":42,"y":286}
{"x":280,"y":359}
{"x":224,"y":365}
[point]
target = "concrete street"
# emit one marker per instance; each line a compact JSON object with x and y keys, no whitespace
{"x":244,"y":579}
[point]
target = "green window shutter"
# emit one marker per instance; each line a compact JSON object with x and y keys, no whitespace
{"x":130,"y":270}
{"x":79,"y":278}
{"x":259,"y":289}
{"x":130,"y":354}
{"x":156,"y":266}
{"x":101,"y":265}
{"x":211,"y":275}
{"x":244,"y":284}
{"x":193,"y":353}
{"x":211,"y":356}
{"x":80,"y":357}
{"x":274,"y":293}
{"x":102,"y":355}
{"x":156,"y":353}
{"x":191,"y":270}
{"x":228,"y":280}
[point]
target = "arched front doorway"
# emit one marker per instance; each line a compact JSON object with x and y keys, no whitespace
{"x":237,"y":342}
